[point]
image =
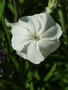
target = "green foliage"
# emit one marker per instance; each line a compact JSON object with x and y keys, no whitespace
{"x":19,"y":74}
{"x":50,"y":73}
{"x":2,"y":5}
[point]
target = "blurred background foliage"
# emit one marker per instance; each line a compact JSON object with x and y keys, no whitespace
{"x":19,"y":74}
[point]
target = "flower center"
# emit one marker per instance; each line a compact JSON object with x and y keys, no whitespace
{"x":36,"y":37}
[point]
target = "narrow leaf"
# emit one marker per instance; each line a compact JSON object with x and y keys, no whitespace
{"x":2,"y":5}
{"x":50,"y":73}
{"x":15,"y":62}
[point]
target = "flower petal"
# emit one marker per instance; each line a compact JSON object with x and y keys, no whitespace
{"x":53,"y":33}
{"x":50,"y":22}
{"x":23,"y":52}
{"x":47,"y":22}
{"x":34,"y":54}
{"x":43,"y":19}
{"x":48,"y":46}
{"x":21,"y":36}
{"x":27,"y":22}
{"x":36,"y":22}
{"x":17,"y":29}
{"x":23,"y":55}
{"x":18,"y":43}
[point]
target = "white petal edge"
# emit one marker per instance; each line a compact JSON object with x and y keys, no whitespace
{"x":22,"y":55}
{"x":59,"y":33}
{"x":23,"y":52}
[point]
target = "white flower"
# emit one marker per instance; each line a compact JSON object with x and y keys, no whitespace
{"x":35,"y":37}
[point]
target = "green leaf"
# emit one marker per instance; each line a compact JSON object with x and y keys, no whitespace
{"x":21,"y":1}
{"x":31,"y":86}
{"x":66,"y":88}
{"x":36,"y":75}
{"x":43,"y":89}
{"x":61,"y":18}
{"x":1,"y":36}
{"x":6,"y":34}
{"x":50,"y":73}
{"x":15,"y":62}
{"x":2,"y":5}
{"x":11,"y":7}
{"x":8,"y":85}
